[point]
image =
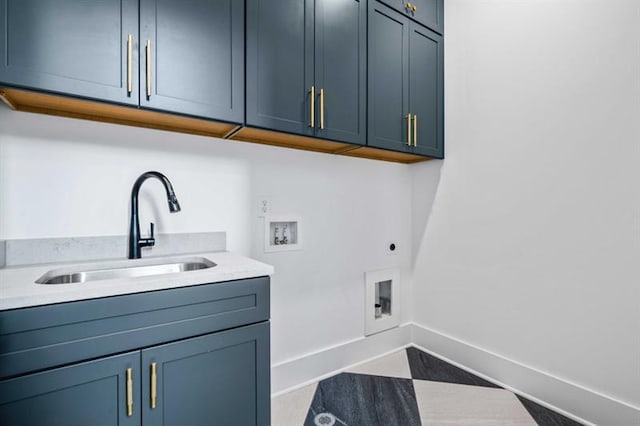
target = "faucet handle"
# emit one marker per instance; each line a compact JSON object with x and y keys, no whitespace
{"x":150,"y":241}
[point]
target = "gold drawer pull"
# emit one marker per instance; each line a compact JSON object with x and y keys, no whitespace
{"x":148,"y":68}
{"x":415,"y":130}
{"x":312,"y":106}
{"x":129,"y":392}
{"x":408,"y":118}
{"x":154,"y":385}
{"x":322,"y":108}
{"x":129,"y":64}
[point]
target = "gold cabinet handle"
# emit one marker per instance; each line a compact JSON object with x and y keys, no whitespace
{"x":148,"y":68}
{"x":414,"y":7}
{"x":129,"y":64}
{"x":415,"y":130}
{"x":408,"y":6}
{"x":322,"y":108}
{"x":129,"y":392}
{"x":408,"y":118}
{"x":154,"y":385}
{"x":312,"y":106}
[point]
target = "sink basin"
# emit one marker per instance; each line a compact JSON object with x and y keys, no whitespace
{"x":127,"y":269}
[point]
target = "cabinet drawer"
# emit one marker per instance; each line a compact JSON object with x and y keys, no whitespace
{"x":427,"y":12}
{"x":41,"y":337}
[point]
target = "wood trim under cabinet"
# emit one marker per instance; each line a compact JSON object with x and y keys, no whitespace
{"x":64,"y":106}
{"x":385,"y":155}
{"x":41,"y":103}
{"x":287,"y":140}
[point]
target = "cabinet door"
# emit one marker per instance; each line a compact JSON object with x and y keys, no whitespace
{"x":426,"y":12}
{"x":340,"y":69}
{"x":388,"y":98}
{"x":74,"y":47}
{"x":280,"y":64}
{"x":429,"y":13}
{"x":195,"y":62}
{"x":91,"y":393}
{"x":220,"y":378}
{"x":426,"y":82}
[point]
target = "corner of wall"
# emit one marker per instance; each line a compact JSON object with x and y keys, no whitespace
{"x":313,"y":367}
{"x":578,"y":402}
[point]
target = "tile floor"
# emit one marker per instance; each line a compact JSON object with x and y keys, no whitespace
{"x":408,"y":387}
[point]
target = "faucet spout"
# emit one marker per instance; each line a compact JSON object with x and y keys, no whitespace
{"x":135,"y":241}
{"x":174,"y":205}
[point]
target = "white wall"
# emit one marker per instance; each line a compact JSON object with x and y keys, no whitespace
{"x":63,"y":177}
{"x":524,"y":241}
{"x":532,"y":248}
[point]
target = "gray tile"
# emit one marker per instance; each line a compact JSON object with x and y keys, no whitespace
{"x":545,"y":417}
{"x":427,"y":367}
{"x":355,"y":399}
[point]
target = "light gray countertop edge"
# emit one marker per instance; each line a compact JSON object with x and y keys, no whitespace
{"x":19,"y":290}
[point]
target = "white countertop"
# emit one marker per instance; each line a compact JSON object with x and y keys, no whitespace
{"x":19,"y":290}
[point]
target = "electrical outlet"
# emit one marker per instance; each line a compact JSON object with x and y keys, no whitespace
{"x":264,"y":206}
{"x":392,"y":248}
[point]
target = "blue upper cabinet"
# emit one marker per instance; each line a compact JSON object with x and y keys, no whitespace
{"x":192,"y":57}
{"x":280,"y":64}
{"x":426,"y":96}
{"x":429,"y":13}
{"x":306,"y":67}
{"x":406,"y":80}
{"x":353,"y":77}
{"x":389,"y":122}
{"x":340,"y":70}
{"x":176,"y":56}
{"x":76,"y":47}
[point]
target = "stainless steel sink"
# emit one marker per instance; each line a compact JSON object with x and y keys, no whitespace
{"x":128,"y":269}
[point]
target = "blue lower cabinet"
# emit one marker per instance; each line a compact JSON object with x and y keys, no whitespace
{"x":191,"y":356}
{"x":221,"y":378}
{"x":92,"y":393}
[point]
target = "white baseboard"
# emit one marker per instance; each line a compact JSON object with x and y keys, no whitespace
{"x":580,"y":403}
{"x":298,"y":372}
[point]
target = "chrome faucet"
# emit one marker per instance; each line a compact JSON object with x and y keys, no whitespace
{"x":135,"y":241}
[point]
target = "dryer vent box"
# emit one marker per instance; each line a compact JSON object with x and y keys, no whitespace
{"x":382,"y":300}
